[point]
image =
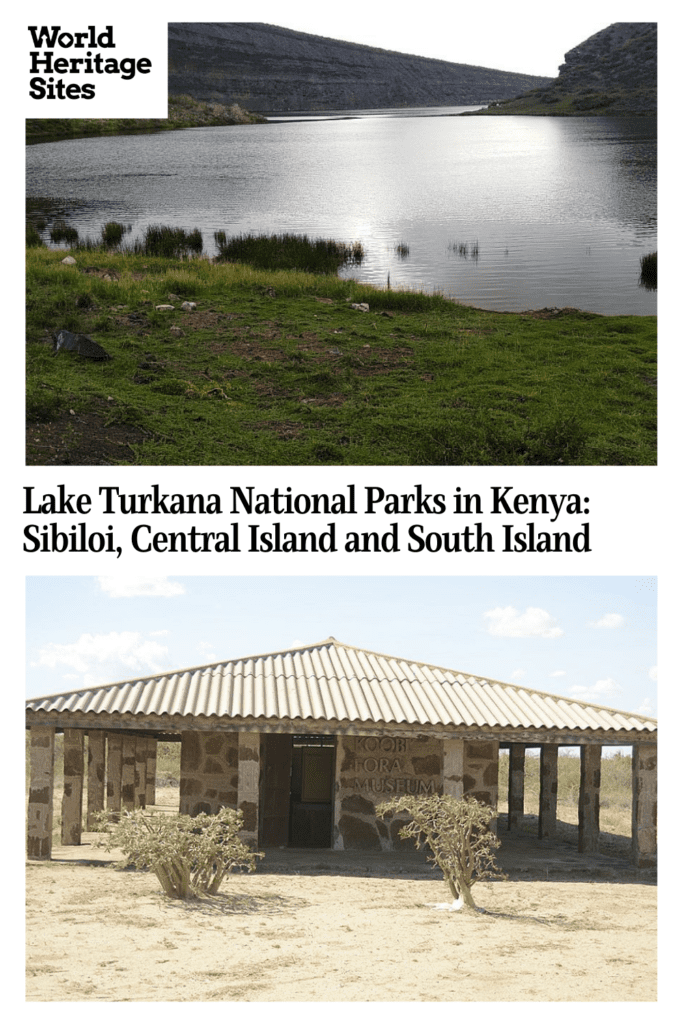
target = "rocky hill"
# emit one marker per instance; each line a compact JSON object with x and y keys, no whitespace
{"x":266,"y":68}
{"x":612,"y":72}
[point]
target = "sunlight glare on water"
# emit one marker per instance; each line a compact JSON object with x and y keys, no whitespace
{"x":504,"y":213}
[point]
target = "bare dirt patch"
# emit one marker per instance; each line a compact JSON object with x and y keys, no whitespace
{"x":81,"y":440}
{"x":309,"y":927}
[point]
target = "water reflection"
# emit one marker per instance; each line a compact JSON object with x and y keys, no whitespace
{"x":561,"y":209}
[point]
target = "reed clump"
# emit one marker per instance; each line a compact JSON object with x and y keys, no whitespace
{"x":112,"y":232}
{"x":33,"y":238}
{"x":648,"y":271}
{"x":63,"y":232}
{"x":288,"y":252}
{"x":467,"y":250}
{"x":170,"y":242}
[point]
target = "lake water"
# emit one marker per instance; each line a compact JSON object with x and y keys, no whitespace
{"x":507,"y":213}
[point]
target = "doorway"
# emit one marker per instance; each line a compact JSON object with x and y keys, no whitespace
{"x":298,"y":791}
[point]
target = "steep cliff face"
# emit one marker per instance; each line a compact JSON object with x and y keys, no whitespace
{"x":266,"y":68}
{"x":612,"y":72}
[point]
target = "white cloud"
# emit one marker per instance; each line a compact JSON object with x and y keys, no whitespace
{"x":597,"y":692}
{"x":610,"y":620}
{"x":556,"y":675}
{"x":652,"y":674}
{"x":130,"y":650}
{"x":140,"y":586}
{"x":645,"y":709}
{"x":160,"y":632}
{"x":518,"y":673}
{"x":532,"y":622}
{"x":207,"y":650}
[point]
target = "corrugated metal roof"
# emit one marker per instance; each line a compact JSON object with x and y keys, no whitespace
{"x":338,"y":682}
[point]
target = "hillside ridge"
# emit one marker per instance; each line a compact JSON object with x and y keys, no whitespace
{"x":612,"y":72}
{"x":268,"y":68}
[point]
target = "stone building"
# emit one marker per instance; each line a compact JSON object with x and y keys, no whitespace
{"x":307,"y":741}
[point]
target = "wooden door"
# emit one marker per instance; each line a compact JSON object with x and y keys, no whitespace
{"x":276,"y":789}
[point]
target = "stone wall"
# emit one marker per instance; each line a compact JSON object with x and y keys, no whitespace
{"x":208,"y":772}
{"x":481,"y":771}
{"x":372,"y":769}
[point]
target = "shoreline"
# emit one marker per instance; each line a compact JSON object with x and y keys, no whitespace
{"x":184,"y":112}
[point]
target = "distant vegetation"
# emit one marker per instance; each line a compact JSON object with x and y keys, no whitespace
{"x":183,"y":112}
{"x":615,"y":788}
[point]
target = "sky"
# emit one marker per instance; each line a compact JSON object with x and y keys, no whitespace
{"x":507,"y":43}
{"x":592,"y":638}
{"x":521,"y":37}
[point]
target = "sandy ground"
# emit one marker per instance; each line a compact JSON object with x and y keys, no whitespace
{"x":317,"y":926}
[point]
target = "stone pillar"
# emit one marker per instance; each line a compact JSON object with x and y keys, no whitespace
{"x":644,"y":807}
{"x":95,"y":775}
{"x":151,"y":787}
{"x":547,"y":803}
{"x":128,"y":773}
{"x":141,"y":771}
{"x":190,"y":763}
{"x":516,"y":785}
{"x":41,"y":793}
{"x":589,"y":798}
{"x":453,"y":768}
{"x":72,"y":801}
{"x":114,"y":760}
{"x":248,"y":763}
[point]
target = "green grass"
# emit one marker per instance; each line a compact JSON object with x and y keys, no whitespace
{"x":276,"y":368}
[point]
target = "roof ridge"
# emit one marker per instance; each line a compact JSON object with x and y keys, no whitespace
{"x":332,"y":641}
{"x":496,"y":682}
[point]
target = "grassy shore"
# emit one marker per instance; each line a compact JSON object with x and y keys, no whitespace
{"x":277,"y":368}
{"x":552,"y":101}
{"x":183,"y":112}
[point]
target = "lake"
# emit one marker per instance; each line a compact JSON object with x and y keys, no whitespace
{"x":505,"y":213}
